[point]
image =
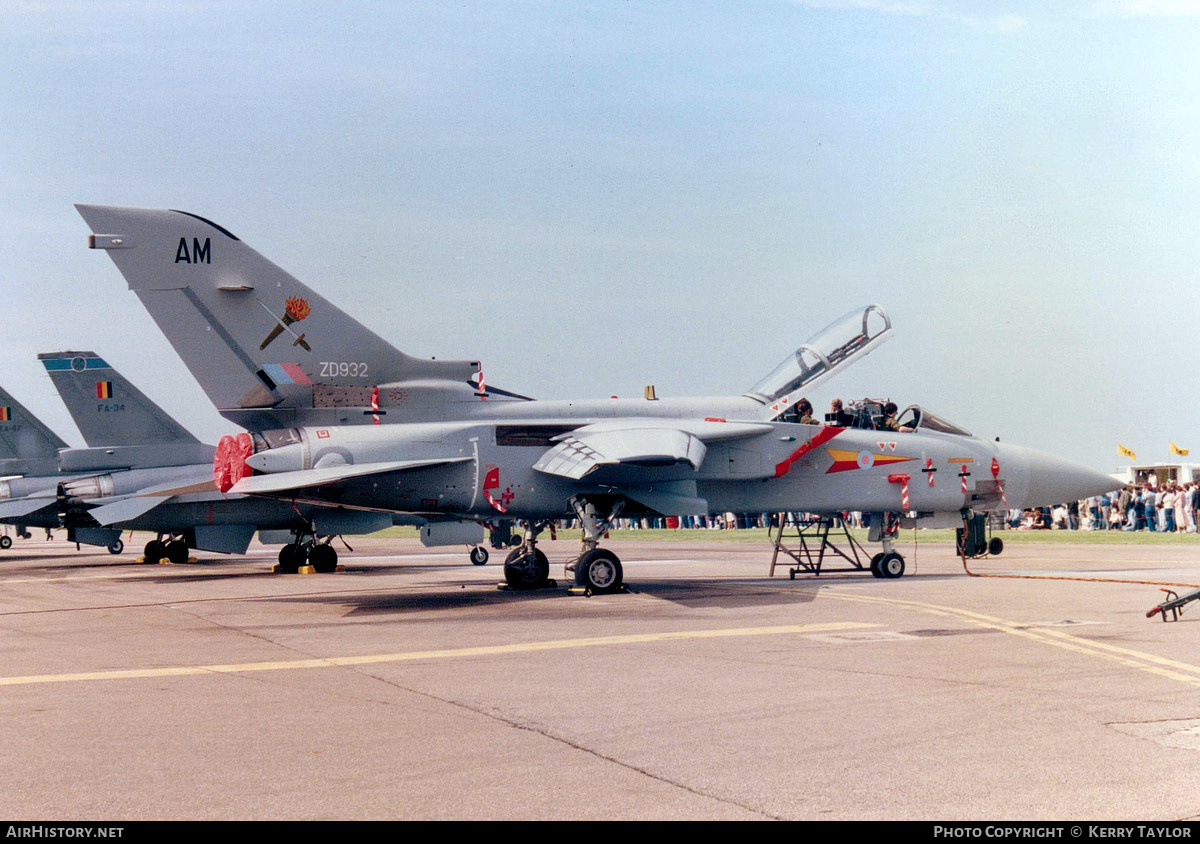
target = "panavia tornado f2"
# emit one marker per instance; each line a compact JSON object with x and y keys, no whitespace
{"x":340,"y":418}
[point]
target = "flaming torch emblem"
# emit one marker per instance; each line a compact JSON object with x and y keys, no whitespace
{"x":294,"y":310}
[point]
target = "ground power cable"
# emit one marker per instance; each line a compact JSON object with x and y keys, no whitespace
{"x":962,"y":552}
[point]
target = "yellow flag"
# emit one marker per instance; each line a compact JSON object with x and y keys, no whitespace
{"x":1182,"y":452}
{"x":1124,"y":452}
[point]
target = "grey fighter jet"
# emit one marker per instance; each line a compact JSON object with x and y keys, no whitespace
{"x":340,"y":417}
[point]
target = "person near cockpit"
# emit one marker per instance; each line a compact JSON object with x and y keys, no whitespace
{"x":889,"y":419}
{"x":805,"y":408}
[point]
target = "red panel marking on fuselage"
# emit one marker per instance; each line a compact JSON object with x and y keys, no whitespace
{"x":822,"y":436}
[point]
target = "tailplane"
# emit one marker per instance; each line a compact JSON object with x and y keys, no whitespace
{"x":264,"y":347}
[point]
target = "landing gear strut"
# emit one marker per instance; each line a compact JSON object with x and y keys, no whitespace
{"x":597,"y":570}
{"x":317,"y":551}
{"x":173,"y":548}
{"x":526,"y":567}
{"x":889,"y":564}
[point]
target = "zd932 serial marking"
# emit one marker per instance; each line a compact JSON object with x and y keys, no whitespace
{"x":334,"y":369}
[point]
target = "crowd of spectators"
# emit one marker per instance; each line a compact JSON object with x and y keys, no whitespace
{"x":1168,"y":507}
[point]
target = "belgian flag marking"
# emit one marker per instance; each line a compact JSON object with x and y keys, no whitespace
{"x":104,"y":389}
{"x":4,"y":414}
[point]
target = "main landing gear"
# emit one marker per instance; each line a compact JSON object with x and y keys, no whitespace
{"x":172,"y":548}
{"x":597,"y":570}
{"x":317,"y":551}
{"x":6,"y":540}
{"x":526,"y":567}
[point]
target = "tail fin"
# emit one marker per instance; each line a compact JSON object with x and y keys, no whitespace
{"x":27,"y":447}
{"x":107,"y":409}
{"x":255,"y":337}
{"x":122,"y":427}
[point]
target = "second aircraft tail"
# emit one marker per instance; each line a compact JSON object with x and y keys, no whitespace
{"x":27,"y":446}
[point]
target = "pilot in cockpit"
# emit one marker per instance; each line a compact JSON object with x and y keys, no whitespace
{"x":889,"y":419}
{"x":805,"y":409}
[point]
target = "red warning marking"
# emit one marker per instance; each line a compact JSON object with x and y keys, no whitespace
{"x":820,"y":438}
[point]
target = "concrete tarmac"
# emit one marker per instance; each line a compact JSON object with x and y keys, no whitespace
{"x":410,"y":687}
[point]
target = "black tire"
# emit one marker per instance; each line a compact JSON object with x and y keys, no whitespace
{"x":599,"y":571}
{"x":323,"y":558}
{"x":875,"y":571}
{"x":479,"y":556}
{"x":514,"y":540}
{"x":291,"y":557}
{"x":117,"y":547}
{"x":524,"y":570}
{"x":891,"y":566}
{"x":5,"y":542}
{"x":177,"y":552}
{"x":995,"y":546}
{"x":154,"y":552}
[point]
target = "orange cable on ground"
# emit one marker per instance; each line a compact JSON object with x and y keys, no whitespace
{"x":962,"y":551}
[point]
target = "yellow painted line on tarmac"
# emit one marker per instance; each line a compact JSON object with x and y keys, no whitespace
{"x":1169,"y":668}
{"x":455,"y":653}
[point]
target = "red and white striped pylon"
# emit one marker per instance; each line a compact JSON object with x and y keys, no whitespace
{"x":903,"y":481}
{"x":999,"y":483}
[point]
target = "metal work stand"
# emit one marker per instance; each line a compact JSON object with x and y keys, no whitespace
{"x":815,"y":545}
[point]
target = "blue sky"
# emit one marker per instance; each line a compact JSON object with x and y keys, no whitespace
{"x":595,"y":196}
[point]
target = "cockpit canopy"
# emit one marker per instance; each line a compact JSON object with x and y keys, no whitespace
{"x":869,"y":414}
{"x":842,"y":342}
{"x":920,"y":419}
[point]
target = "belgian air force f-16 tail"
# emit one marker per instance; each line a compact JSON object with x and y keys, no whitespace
{"x":304,"y":376}
{"x":147,"y":472}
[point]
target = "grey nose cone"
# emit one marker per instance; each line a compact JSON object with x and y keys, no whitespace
{"x":1050,"y":480}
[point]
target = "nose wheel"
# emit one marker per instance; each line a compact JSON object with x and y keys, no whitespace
{"x":888,"y":565}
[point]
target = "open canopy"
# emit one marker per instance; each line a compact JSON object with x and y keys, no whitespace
{"x":835,"y":347}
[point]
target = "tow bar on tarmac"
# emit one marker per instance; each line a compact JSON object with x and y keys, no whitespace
{"x":1173,"y":605}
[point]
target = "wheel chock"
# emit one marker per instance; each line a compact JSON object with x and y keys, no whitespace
{"x":278,"y":569}
{"x":586,"y":592}
{"x":548,"y":583}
